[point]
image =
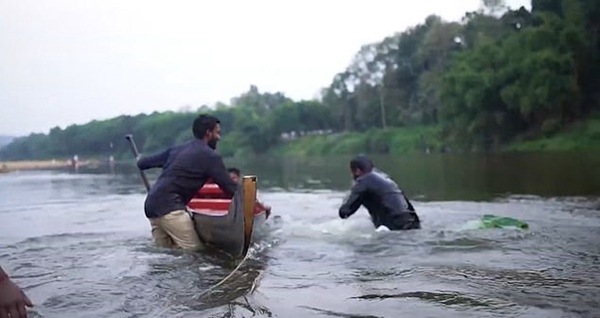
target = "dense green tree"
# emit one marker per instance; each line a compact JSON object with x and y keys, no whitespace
{"x":494,"y":76}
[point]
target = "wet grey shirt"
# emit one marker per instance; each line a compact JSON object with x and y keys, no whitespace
{"x":380,"y":195}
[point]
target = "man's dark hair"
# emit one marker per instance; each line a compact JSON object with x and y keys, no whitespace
{"x":361,"y":162}
{"x":235,"y":171}
{"x":203,"y":124}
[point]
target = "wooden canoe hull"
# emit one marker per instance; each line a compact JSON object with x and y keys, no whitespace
{"x":228,"y":230}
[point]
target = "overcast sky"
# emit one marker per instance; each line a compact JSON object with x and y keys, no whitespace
{"x":72,"y":61}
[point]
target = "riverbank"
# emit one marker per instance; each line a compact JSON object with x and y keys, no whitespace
{"x":424,"y":139}
{"x":381,"y":141}
{"x":8,"y":166}
{"x":580,"y":136}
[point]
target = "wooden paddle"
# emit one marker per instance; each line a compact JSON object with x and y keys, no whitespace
{"x":134,"y":149}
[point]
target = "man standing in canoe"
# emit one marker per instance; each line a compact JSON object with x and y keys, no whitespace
{"x":381,"y":196}
{"x":186,"y":168}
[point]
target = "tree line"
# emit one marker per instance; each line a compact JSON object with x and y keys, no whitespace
{"x":495,"y":76}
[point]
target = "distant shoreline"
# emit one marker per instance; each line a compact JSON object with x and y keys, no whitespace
{"x":9,"y":166}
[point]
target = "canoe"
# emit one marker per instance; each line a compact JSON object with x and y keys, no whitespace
{"x":227,"y":224}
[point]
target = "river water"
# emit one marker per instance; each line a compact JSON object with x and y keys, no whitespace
{"x":78,"y":243}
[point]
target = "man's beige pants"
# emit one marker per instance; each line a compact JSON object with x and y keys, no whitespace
{"x":175,"y":229}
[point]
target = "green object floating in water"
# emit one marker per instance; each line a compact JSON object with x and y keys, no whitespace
{"x":492,"y":221}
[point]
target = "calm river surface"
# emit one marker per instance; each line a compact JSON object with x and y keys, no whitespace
{"x":79,"y":244}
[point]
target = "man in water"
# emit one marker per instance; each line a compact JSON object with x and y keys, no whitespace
{"x":186,"y":168}
{"x":235,"y":174}
{"x":381,"y":196}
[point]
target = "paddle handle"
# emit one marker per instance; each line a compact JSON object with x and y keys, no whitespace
{"x":136,"y":153}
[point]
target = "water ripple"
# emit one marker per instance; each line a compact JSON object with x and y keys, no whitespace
{"x":77,"y":257}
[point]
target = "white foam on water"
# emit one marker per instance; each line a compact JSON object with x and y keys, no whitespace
{"x":382,"y":228}
{"x":470,"y":225}
{"x":321,"y":228}
{"x":206,"y":267}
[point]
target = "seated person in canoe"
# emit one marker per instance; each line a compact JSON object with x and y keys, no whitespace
{"x":259,"y":207}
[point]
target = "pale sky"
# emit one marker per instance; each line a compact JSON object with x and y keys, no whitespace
{"x":71,"y":61}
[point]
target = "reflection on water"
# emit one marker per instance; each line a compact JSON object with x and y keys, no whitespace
{"x":81,"y":247}
{"x":427,"y":176}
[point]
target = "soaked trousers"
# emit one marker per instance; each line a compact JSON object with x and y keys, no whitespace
{"x":176,"y":230}
{"x":403,"y":221}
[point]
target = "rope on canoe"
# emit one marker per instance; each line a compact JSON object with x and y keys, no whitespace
{"x":226,"y":277}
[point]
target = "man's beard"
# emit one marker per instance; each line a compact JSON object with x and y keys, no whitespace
{"x":213,"y":144}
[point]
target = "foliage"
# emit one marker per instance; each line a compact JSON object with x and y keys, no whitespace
{"x":495,"y":78}
{"x":580,"y":136}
